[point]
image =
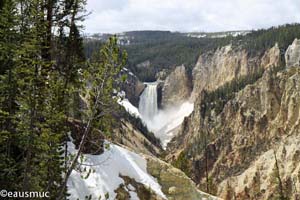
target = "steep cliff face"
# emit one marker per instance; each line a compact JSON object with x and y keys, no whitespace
{"x":244,"y":145}
{"x":292,"y":55}
{"x":128,"y":135}
{"x":132,"y":87}
{"x":213,"y":69}
{"x":176,"y":88}
{"x":251,"y":149}
{"x":216,"y":68}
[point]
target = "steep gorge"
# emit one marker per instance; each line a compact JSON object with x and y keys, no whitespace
{"x":242,"y":139}
{"x":242,"y":150}
{"x":213,"y":69}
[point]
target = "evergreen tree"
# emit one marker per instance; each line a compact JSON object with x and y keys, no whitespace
{"x":9,"y":40}
{"x":35,"y":90}
{"x":101,"y":76}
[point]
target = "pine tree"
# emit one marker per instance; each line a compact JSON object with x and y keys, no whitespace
{"x":34,"y":94}
{"x":101,"y":77}
{"x":42,"y":68}
{"x":9,"y":38}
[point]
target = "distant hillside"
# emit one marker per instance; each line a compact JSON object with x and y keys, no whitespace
{"x":217,"y":34}
{"x":165,"y":49}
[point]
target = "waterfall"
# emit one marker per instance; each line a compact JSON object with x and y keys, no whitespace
{"x":148,"y":101}
{"x":163,"y":123}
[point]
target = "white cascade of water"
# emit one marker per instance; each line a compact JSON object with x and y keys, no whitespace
{"x":148,"y":101}
{"x":163,"y":123}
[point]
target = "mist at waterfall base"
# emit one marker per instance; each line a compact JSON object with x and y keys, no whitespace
{"x":163,"y":123}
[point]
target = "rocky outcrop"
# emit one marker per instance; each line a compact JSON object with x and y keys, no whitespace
{"x":131,"y":189}
{"x":251,"y":149}
{"x":127,"y":134}
{"x":261,"y":179}
{"x":292,"y":55}
{"x":132,"y":87}
{"x":215,"y":68}
{"x":162,"y":75}
{"x":176,"y":88}
{"x":271,"y":57}
{"x":174,"y":183}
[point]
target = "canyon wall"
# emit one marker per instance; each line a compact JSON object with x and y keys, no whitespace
{"x":292,"y":54}
{"x":215,"y":68}
{"x":176,"y":87}
{"x":249,"y":148}
{"x":132,"y":87}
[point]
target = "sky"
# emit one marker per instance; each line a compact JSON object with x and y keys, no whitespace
{"x":115,"y":16}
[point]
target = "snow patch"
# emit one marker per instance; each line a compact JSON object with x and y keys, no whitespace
{"x":133,"y":195}
{"x":129,"y":107}
{"x":106,"y":168}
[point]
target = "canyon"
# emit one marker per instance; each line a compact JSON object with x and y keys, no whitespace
{"x":226,"y":128}
{"x":235,"y":152}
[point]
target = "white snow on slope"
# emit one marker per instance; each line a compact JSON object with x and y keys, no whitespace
{"x":129,"y":107}
{"x":107,"y":167}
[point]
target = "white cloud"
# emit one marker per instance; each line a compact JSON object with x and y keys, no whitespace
{"x":189,"y":15}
